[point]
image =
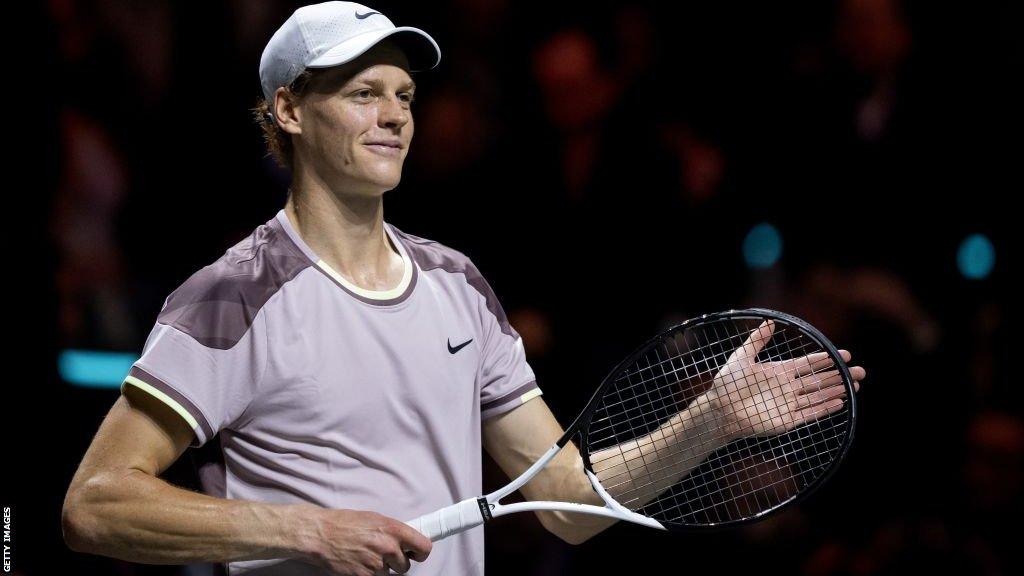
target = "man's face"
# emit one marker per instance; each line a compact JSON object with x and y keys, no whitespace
{"x":357,"y":122}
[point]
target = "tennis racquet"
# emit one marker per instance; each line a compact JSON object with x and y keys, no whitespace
{"x":718,"y":421}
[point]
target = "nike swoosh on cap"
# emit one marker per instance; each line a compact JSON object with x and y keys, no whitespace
{"x":364,"y":16}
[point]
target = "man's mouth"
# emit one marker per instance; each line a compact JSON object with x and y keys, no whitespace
{"x":385,"y":149}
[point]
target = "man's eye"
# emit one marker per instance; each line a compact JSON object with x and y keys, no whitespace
{"x":364,"y":93}
{"x":407,"y":97}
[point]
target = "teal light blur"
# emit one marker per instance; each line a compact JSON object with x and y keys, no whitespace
{"x":976,"y":257}
{"x":94,"y":369}
{"x":762,"y":247}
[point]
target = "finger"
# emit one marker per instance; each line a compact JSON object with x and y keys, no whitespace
{"x":413,"y":543}
{"x":754,"y":343}
{"x":815,"y":382}
{"x":812,"y":363}
{"x":819,"y":411}
{"x":397,"y":560}
{"x":805,"y":364}
{"x":372,"y":564}
{"x":820,"y":396}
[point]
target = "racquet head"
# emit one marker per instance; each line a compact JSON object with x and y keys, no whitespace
{"x":769,"y":398}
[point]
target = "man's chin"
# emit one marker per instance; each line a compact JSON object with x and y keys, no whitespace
{"x":386,"y":172}
{"x":375,"y":185}
{"x":384,"y":183}
{"x":373,"y":180}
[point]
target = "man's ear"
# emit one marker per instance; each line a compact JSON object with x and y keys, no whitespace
{"x":286,"y":111}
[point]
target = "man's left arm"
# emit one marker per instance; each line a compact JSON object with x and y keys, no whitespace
{"x":519,"y":438}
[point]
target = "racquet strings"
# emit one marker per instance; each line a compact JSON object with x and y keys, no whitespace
{"x":746,"y":477}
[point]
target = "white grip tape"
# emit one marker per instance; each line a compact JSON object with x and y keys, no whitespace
{"x":449,"y":520}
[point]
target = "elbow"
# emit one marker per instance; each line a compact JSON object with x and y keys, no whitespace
{"x":556,"y":523}
{"x":572,"y":537}
{"x":74,"y":524}
{"x":79,"y":522}
{"x":572,"y":528}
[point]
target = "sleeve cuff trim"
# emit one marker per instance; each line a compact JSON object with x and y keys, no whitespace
{"x":171,"y":397}
{"x":530,"y":395}
{"x":513,"y":399}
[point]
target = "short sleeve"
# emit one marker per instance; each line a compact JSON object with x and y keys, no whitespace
{"x":207,"y":382}
{"x":506,"y":378}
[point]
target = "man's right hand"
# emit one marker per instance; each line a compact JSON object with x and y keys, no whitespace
{"x":357,"y":543}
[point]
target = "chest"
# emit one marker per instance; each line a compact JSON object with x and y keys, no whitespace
{"x":344,"y":370}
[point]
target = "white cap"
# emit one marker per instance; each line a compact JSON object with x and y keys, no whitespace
{"x":333,"y":33}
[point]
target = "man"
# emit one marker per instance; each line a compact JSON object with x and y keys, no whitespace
{"x":328,"y":365}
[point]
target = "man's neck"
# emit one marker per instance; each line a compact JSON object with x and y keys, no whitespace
{"x":347,"y":232}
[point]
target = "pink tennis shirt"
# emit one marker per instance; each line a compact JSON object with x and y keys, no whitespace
{"x":304,"y":388}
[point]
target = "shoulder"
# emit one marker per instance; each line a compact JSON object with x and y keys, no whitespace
{"x":432,"y":255}
{"x":217,"y":305}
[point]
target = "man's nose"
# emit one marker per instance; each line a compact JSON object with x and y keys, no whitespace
{"x":392,"y":113}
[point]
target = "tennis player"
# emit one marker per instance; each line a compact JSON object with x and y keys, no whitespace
{"x":335,"y":374}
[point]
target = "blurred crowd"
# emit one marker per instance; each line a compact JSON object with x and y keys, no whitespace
{"x":602,"y":162}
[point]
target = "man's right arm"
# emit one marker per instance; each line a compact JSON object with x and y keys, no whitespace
{"x":118,"y":506}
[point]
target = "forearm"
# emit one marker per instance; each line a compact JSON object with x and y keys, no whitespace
{"x":637,"y":471}
{"x":519,"y":438}
{"x":137,"y":517}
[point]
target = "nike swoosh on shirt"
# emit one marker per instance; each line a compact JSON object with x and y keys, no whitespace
{"x":459,"y":347}
{"x":364,"y":16}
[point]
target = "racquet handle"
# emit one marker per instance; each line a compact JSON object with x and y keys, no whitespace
{"x":449,"y":520}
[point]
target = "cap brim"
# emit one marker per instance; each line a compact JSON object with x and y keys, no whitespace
{"x":419,"y":47}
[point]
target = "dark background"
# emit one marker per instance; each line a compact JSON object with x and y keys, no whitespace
{"x":602,"y":163}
